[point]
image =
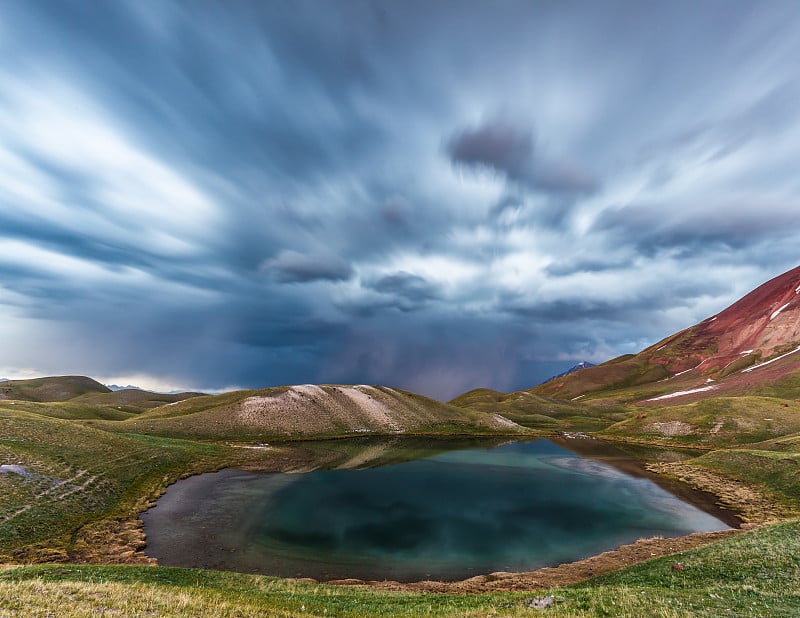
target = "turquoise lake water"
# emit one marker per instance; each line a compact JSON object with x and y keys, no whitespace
{"x":449,"y":516}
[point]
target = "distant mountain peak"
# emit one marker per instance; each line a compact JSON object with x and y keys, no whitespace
{"x":573,"y":369}
{"x":117,"y":387}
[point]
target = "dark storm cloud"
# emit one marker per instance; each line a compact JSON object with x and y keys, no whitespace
{"x":498,"y":146}
{"x":398,"y":291}
{"x":410,"y":287}
{"x":510,"y":150}
{"x":294,"y":267}
{"x":598,"y":309}
{"x":257,"y":193}
{"x":575,"y":265}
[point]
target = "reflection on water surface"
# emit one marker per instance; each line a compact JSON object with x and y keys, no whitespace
{"x":448,"y":514}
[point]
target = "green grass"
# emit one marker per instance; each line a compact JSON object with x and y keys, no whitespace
{"x":71,"y":410}
{"x":58,"y":388}
{"x":609,"y":377}
{"x":713,"y":422}
{"x":538,"y":412}
{"x":754,"y":574}
{"x":777,"y":473}
{"x":132,"y":400}
{"x":77,"y":474}
{"x":787,"y":387}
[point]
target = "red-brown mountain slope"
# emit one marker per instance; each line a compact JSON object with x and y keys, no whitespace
{"x":763,"y":325}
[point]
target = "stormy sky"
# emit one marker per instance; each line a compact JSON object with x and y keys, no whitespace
{"x":430,"y":195}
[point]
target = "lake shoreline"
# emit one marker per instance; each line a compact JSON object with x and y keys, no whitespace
{"x":290,"y":460}
{"x":555,"y":576}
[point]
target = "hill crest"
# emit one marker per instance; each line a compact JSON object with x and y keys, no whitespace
{"x":52,"y":388}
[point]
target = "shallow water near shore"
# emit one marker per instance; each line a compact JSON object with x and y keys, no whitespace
{"x":446,"y":516}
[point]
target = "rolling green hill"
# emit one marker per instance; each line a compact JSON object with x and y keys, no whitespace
{"x":312,"y":410}
{"x":60,"y":388}
{"x":132,"y":400}
{"x":537,"y":412}
{"x":83,"y":398}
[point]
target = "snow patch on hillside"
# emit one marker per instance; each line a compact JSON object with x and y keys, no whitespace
{"x":681,"y":393}
{"x":775,"y":314}
{"x":769,"y":362}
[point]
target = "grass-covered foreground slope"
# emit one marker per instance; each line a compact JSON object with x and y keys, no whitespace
{"x":312,"y":410}
{"x":59,"y":476}
{"x":754,"y":574}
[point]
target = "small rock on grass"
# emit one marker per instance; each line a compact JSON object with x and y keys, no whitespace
{"x":543,"y":602}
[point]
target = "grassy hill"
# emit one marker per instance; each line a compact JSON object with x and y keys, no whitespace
{"x":312,"y":410}
{"x":537,"y":412}
{"x":132,"y":400}
{"x":713,"y":422}
{"x":79,"y":397}
{"x":60,"y":388}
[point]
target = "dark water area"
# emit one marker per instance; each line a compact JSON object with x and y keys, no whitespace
{"x":446,"y":516}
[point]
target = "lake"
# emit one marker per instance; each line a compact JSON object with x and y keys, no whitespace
{"x":447,"y":515}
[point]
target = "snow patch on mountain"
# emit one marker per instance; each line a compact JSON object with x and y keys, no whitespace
{"x":775,"y":314}
{"x":769,"y":362}
{"x":573,"y":369}
{"x":681,"y":393}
